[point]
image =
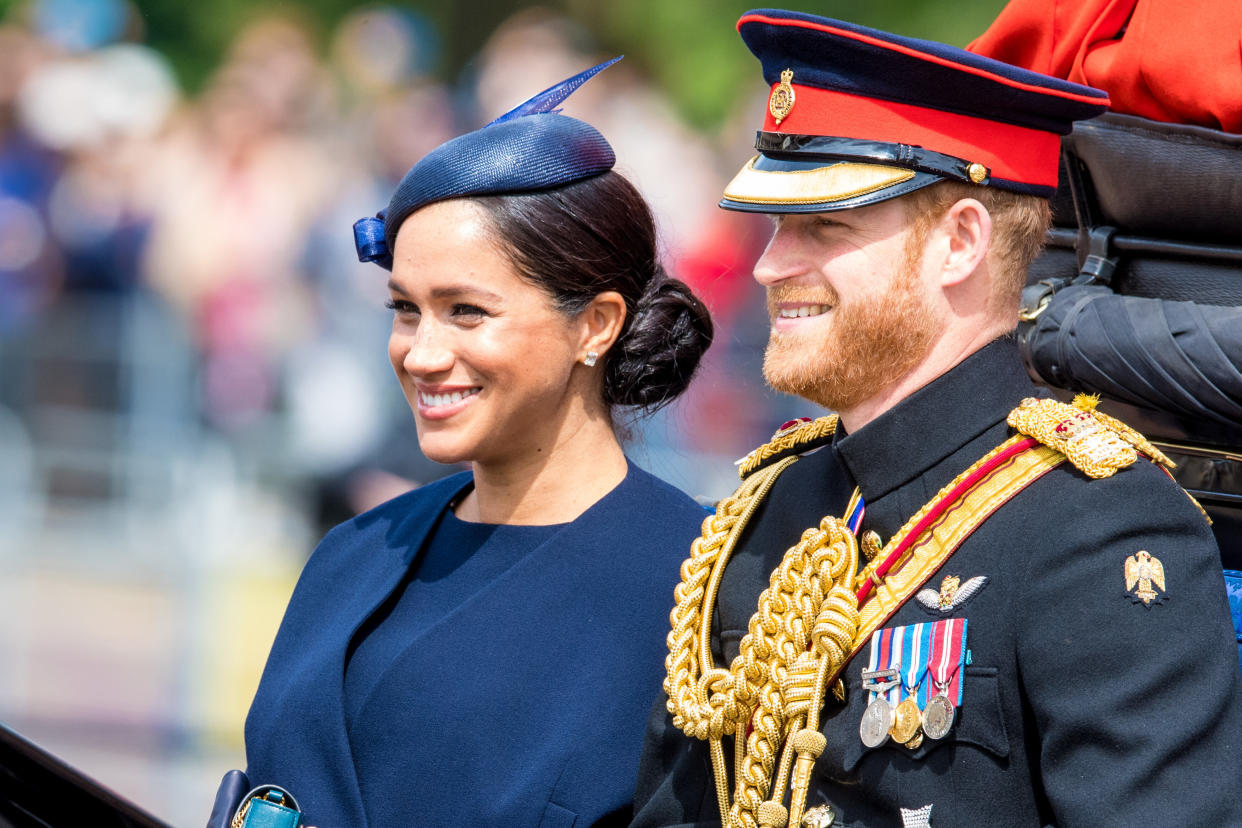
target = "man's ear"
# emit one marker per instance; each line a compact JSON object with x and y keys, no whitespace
{"x":601,"y":322}
{"x":967,"y":226}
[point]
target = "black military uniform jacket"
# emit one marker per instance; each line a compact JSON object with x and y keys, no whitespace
{"x":1081,"y":706}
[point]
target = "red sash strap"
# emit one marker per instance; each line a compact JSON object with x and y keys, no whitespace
{"x":933,"y":534}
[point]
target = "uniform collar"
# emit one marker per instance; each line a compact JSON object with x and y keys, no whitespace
{"x":936,"y":420}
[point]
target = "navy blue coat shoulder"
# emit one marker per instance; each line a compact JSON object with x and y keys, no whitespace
{"x":524,"y":706}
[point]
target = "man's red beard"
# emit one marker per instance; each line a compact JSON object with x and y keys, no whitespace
{"x":871,"y":342}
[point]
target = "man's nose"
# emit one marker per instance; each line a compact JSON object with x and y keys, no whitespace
{"x":782,"y":259}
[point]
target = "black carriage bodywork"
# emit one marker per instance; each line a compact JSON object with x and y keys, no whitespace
{"x":1138,"y":298}
{"x":39,"y":790}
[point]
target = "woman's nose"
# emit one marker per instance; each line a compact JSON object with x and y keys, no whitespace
{"x":428,"y":352}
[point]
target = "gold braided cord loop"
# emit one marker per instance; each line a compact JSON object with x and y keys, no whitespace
{"x":786,"y":440}
{"x":816,"y":575}
{"x":698,"y":694}
{"x":806,"y":617}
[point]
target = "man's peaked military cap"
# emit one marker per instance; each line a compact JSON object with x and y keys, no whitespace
{"x":857,"y":115}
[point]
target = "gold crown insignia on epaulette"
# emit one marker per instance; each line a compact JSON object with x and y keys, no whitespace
{"x":793,"y":435}
{"x":1097,"y":444}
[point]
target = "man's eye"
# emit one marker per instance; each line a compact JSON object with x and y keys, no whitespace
{"x":401,"y":306}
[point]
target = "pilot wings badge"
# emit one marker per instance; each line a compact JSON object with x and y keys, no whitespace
{"x":1144,"y":575}
{"x":952,"y":595}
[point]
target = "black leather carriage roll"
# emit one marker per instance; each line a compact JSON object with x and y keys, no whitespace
{"x":1138,"y":296}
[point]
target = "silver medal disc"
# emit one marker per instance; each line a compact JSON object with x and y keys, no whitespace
{"x":938,"y":717}
{"x":876,"y":721}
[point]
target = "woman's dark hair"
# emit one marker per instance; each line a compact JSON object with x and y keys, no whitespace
{"x":580,"y":239}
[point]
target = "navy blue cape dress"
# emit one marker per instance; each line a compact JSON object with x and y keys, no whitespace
{"x":523,"y":705}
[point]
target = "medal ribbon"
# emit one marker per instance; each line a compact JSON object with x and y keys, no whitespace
{"x":873,"y":662}
{"x":854,"y":511}
{"x":936,"y":647}
{"x":915,"y":643}
{"x":886,"y":654}
{"x":948,"y":654}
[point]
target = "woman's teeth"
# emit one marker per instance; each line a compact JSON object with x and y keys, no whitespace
{"x":437,"y":400}
{"x":803,"y":310}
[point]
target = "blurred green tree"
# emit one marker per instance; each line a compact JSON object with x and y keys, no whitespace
{"x":688,"y":47}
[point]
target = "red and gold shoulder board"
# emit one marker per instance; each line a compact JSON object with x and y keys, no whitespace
{"x":1098,"y":445}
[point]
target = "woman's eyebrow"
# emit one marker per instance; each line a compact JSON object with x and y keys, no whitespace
{"x":458,"y":291}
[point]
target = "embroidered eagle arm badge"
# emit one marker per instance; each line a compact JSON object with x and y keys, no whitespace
{"x":794,"y":437}
{"x":1142,"y":572}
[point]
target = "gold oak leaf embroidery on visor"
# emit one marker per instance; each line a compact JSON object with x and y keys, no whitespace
{"x":835,"y":182}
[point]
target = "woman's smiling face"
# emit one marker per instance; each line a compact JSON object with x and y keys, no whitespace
{"x":483,"y":356}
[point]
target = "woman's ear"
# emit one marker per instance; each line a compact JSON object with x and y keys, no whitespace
{"x":601,"y":322}
{"x":968,"y":231}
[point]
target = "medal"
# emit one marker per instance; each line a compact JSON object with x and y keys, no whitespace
{"x":915,"y":682}
{"x":938,"y":717}
{"x":907,"y":719}
{"x":877,"y":720}
{"x":878,"y":717}
{"x":948,"y":649}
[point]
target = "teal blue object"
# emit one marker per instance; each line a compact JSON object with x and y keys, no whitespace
{"x":269,"y":811}
{"x":1233,"y":587}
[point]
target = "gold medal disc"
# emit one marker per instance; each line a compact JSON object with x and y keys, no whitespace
{"x":907,"y":719}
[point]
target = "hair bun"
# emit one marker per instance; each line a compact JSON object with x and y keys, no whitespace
{"x":660,"y":348}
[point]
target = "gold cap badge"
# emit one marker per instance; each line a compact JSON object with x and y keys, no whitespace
{"x":781,"y":101}
{"x":977,"y":172}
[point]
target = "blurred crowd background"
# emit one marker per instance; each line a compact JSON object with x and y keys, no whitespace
{"x":193,"y":376}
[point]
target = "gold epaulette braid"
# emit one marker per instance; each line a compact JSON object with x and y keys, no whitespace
{"x":1097,"y":444}
{"x":786,"y":439}
{"x":802,"y":633}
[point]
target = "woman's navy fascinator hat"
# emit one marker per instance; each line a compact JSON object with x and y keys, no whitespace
{"x":531,"y":147}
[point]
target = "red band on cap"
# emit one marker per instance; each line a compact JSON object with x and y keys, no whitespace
{"x":906,"y":50}
{"x":1030,"y":156}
